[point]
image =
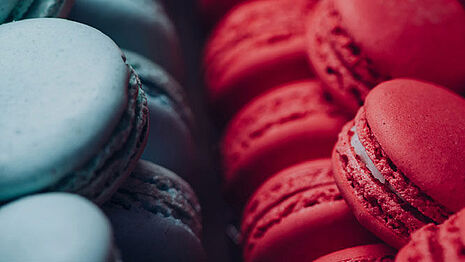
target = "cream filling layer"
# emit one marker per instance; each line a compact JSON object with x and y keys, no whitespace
{"x":362,"y":153}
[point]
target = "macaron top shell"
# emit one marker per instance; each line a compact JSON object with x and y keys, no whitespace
{"x":420,"y":39}
{"x":368,"y":253}
{"x":55,"y":227}
{"x":65,"y":92}
{"x":420,"y":127}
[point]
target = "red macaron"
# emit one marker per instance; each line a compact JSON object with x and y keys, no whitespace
{"x":255,"y":47}
{"x":354,"y":45}
{"x":401,"y":163}
{"x":299,"y":215}
{"x":287,"y":125}
{"x":432,"y":243}
{"x":368,"y":253}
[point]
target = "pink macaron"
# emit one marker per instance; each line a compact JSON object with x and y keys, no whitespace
{"x":255,"y":47}
{"x":367,"y":253}
{"x":401,"y":163}
{"x":289,"y":124}
{"x":354,"y":45}
{"x":299,"y":215}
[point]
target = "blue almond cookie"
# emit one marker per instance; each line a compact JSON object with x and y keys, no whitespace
{"x":170,"y":141}
{"x":55,"y":227}
{"x":74,"y":118}
{"x":156,"y":217}
{"x":13,"y":10}
{"x":141,"y":26}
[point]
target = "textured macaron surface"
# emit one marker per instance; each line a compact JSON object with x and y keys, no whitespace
{"x":368,"y":253}
{"x":171,"y":134}
{"x":153,"y":213}
{"x":55,"y":227}
{"x":304,"y":195}
{"x":289,"y":124}
{"x":145,"y":29}
{"x":445,"y":242}
{"x":256,"y":47}
{"x":419,"y":39}
{"x":74,"y":106}
{"x":372,"y":171}
{"x":14,"y":10}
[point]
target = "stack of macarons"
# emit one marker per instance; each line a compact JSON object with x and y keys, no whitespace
{"x":297,"y":170}
{"x":79,"y":113}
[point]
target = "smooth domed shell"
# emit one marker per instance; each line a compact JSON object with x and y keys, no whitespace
{"x":423,"y":39}
{"x":64,"y":90}
{"x":421,"y":128}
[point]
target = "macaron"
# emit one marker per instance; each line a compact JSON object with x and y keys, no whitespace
{"x":445,"y":242}
{"x":299,"y":215}
{"x":55,"y":227}
{"x":287,"y":125}
{"x":255,"y":47}
{"x":171,"y":135}
{"x":400,"y":164}
{"x":355,"y":45}
{"x":141,"y":26}
{"x":156,"y":217}
{"x":372,"y":253}
{"x":75,"y":120}
{"x":14,"y":10}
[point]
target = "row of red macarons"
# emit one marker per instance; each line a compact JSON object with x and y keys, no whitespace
{"x":288,"y":77}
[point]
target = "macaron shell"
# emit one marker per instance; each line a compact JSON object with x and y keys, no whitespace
{"x":49,"y":8}
{"x":445,"y":242}
{"x":287,"y":125}
{"x":75,"y":230}
{"x":249,"y":53}
{"x":427,"y":124}
{"x":145,"y":29}
{"x":296,"y":215}
{"x":156,"y":217}
{"x":170,"y":141}
{"x":97,"y":105}
{"x":372,"y":253}
{"x":420,"y":39}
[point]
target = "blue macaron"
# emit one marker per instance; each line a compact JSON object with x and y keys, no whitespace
{"x":13,"y":10}
{"x":74,"y":116}
{"x":141,"y":26}
{"x":55,"y":227}
{"x":171,"y":142}
{"x":156,"y":217}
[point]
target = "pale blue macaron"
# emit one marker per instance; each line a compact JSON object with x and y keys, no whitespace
{"x":171,"y":141}
{"x":141,"y":26}
{"x":55,"y":227}
{"x":73,"y":116}
{"x":13,"y":10}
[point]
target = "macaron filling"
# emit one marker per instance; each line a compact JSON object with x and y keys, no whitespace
{"x":345,"y":64}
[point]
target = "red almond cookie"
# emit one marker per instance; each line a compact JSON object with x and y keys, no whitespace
{"x":368,"y":253}
{"x":401,"y":163}
{"x":287,"y":125}
{"x":434,"y":243}
{"x":257,"y":46}
{"x":299,"y":215}
{"x":354,"y":45}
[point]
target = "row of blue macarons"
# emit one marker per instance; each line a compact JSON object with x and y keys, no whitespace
{"x":83,"y":99}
